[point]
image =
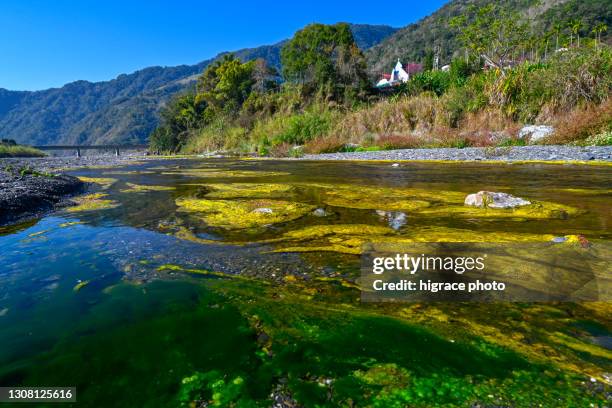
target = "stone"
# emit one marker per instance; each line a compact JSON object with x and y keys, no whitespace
{"x":320,"y":212}
{"x":395,"y":219}
{"x":535,"y":133}
{"x":395,"y":165}
{"x":494,"y":200}
{"x":263,"y":210}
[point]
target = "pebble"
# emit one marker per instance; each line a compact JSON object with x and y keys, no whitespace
{"x":544,"y":153}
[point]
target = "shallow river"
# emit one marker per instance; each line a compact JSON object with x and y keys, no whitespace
{"x":226,"y":281}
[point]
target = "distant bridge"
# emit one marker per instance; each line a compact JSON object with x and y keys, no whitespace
{"x":77,"y":149}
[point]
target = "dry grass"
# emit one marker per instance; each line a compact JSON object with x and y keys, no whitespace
{"x":325,"y":145}
{"x":583,"y":122}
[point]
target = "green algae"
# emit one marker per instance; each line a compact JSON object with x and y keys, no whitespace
{"x":139,"y":188}
{"x":104,"y":182}
{"x":335,"y":353}
{"x":92,"y":202}
{"x":242,"y":214}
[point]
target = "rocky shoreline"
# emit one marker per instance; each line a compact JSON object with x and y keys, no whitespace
{"x":30,"y":187}
{"x":27,"y":193}
{"x":502,"y":154}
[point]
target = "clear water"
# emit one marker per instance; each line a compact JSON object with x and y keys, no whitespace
{"x":134,"y":332}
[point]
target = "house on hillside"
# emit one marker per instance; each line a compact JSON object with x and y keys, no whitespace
{"x":400,"y":74}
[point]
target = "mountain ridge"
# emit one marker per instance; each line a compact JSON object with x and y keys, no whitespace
{"x":123,"y":109}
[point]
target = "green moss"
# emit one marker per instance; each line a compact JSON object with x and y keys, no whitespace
{"x":92,"y":202}
{"x":239,"y":214}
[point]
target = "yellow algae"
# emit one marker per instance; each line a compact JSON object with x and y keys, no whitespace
{"x":102,"y":181}
{"x":383,"y":198}
{"x":140,"y":188}
{"x":212,"y":172}
{"x":70,"y":224}
{"x":237,"y":214}
{"x":249,"y":190}
{"x":194,"y":271}
{"x":350,"y":238}
{"x":36,"y":234}
{"x":92,"y":202}
{"x":536,"y":210}
{"x":580,"y":346}
{"x":585,"y":191}
{"x":187,"y":235}
{"x":80,"y":285}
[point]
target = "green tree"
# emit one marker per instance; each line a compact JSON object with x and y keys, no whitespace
{"x":325,"y":58}
{"x":598,"y":30}
{"x":574,"y":25}
{"x":182,"y":115}
{"x":492,"y":33}
{"x":225,"y":85}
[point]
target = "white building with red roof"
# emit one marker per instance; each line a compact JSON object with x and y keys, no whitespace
{"x":400,"y":74}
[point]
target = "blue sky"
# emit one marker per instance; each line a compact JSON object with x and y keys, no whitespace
{"x":46,"y":44}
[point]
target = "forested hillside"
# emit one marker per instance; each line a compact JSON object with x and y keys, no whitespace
{"x":122,"y":110}
{"x":433,"y":33}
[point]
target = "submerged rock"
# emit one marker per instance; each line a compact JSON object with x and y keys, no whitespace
{"x":395,"y":219}
{"x":535,"y":133}
{"x":263,"y":210}
{"x":491,"y":199}
{"x":320,"y":212}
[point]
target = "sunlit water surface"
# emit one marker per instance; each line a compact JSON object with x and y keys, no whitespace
{"x":135,"y":330}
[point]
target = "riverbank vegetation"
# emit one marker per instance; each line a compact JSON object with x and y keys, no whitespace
{"x":9,"y":148}
{"x":507,"y":74}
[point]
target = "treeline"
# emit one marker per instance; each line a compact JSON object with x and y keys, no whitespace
{"x":323,"y":99}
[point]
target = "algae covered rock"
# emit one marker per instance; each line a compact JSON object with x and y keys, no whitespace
{"x":243,"y":213}
{"x":494,"y":200}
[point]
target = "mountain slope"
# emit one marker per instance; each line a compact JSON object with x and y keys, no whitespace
{"x":122,"y":110}
{"x":411,"y":43}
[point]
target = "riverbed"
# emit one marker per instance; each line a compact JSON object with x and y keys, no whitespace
{"x":232,"y":282}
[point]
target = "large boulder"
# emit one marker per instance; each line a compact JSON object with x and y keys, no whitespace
{"x":490,"y":199}
{"x":535,"y":133}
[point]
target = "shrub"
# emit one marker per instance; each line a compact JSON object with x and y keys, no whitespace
{"x":602,"y":139}
{"x":305,"y":127}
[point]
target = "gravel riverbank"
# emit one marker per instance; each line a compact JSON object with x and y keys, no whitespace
{"x":30,"y":187}
{"x":515,"y":153}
